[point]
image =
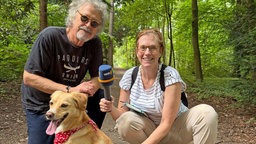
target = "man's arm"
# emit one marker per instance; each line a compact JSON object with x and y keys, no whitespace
{"x":41,"y":83}
{"x":48,"y":86}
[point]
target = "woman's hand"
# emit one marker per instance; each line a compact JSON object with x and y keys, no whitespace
{"x":106,"y":105}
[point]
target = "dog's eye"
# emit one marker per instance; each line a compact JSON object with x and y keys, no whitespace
{"x":51,"y":103}
{"x":64,"y":105}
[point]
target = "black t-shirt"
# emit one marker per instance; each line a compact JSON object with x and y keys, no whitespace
{"x":54,"y":57}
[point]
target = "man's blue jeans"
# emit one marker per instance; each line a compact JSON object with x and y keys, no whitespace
{"x":37,"y":125}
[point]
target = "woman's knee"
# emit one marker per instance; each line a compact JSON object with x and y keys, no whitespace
{"x":128,"y":123}
{"x":132,"y":127}
{"x":208,"y":114}
{"x":208,"y":111}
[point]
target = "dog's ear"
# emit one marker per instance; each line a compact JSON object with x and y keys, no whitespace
{"x":80,"y":99}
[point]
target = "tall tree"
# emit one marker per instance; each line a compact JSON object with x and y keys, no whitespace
{"x":195,"y":44}
{"x":169,"y":9}
{"x":111,"y":25}
{"x":43,"y":14}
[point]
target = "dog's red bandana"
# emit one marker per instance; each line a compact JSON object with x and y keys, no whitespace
{"x":62,"y":137}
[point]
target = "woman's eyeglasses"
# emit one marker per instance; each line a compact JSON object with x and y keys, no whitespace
{"x":151,"y":49}
{"x":85,"y":19}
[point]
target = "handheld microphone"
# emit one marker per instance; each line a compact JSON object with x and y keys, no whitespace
{"x":106,"y":79}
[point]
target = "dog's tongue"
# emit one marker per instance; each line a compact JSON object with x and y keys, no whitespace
{"x":51,"y":128}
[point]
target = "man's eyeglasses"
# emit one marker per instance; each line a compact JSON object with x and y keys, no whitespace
{"x":152,"y":49}
{"x":86,"y":19}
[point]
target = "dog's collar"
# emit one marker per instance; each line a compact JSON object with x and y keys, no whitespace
{"x":62,"y":137}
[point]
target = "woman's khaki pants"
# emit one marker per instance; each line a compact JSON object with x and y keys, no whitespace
{"x":196,"y":126}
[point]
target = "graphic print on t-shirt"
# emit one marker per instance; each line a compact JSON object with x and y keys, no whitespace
{"x":71,"y":66}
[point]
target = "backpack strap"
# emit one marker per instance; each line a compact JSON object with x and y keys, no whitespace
{"x":184,"y":99}
{"x":134,"y":75}
{"x":183,"y":94}
{"x":161,"y":80}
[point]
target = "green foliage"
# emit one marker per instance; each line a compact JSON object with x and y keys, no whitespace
{"x":56,"y":14}
{"x":132,"y":16}
{"x":241,"y":90}
{"x":105,"y":45}
{"x":12,"y":15}
{"x":126,"y":53}
{"x":15,"y":10}
{"x":18,"y":32}
{"x":12,"y":60}
{"x":242,"y":30}
{"x":15,"y":37}
{"x":247,"y":89}
{"x":216,"y":53}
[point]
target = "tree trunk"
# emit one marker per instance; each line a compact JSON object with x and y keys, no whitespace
{"x":169,"y":9}
{"x":172,"y":57}
{"x":43,"y":14}
{"x":111,"y":25}
{"x":164,"y":50}
{"x":197,"y":60}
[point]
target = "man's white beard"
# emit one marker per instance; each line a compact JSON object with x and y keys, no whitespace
{"x":82,"y":36}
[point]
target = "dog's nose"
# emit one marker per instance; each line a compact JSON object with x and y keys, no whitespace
{"x":49,"y":115}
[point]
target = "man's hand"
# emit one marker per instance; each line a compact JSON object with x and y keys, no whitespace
{"x":86,"y":87}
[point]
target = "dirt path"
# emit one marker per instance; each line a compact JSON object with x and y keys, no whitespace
{"x":236,"y":125}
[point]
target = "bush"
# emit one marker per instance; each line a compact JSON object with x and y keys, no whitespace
{"x":12,"y":60}
{"x":242,"y":90}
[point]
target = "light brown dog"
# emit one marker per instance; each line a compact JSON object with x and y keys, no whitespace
{"x":69,"y":121}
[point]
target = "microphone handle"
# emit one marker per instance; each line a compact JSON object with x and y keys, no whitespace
{"x":107,"y":93}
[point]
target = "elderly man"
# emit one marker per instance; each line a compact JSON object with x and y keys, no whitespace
{"x":59,"y":60}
